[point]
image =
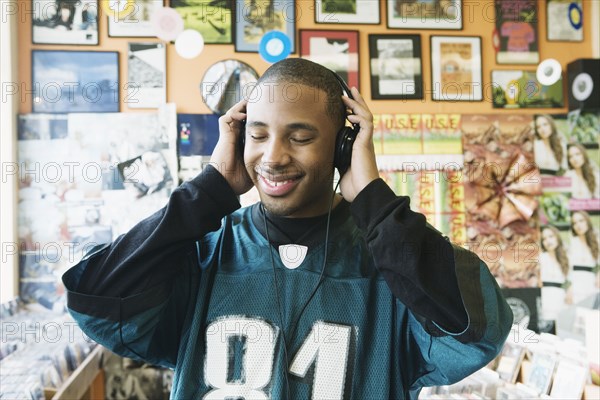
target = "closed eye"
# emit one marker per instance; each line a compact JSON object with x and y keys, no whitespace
{"x":301,"y":140}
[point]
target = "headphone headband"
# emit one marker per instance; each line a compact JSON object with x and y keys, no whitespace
{"x":343,"y":84}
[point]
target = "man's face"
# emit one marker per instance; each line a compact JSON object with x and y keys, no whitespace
{"x":290,"y":142}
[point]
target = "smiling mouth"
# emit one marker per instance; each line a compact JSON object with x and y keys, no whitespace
{"x":277,"y":185}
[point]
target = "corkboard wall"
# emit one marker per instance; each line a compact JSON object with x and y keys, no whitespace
{"x":184,"y":76}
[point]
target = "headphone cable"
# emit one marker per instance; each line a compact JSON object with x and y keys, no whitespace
{"x":314,"y":291}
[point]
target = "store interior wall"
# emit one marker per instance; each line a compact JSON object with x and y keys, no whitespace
{"x":478,"y":20}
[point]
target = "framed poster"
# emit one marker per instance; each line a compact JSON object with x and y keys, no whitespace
{"x":137,"y":23}
{"x":65,"y":22}
{"x":147,"y":75}
{"x":395,"y":62}
{"x":211,"y":18}
{"x":564,"y":20}
{"x":424,"y":14}
{"x":456,"y":68}
{"x":336,"y":50}
{"x":517,"y":27}
{"x":520,"y":89}
{"x":75,"y":81}
{"x":347,"y":12}
{"x":254,"y":18}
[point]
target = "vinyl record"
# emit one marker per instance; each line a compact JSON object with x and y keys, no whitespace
{"x":189,"y":44}
{"x":167,"y":23}
{"x":224,"y":84}
{"x":548,"y":72}
{"x":274,"y":46}
{"x":582,"y":87}
{"x":575,"y":15}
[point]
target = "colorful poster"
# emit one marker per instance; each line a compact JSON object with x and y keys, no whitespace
{"x":517,"y":26}
{"x":442,"y":134}
{"x":513,"y":89}
{"x":439,"y":195}
{"x":502,"y":185}
{"x":397,"y":134}
{"x":72,"y":193}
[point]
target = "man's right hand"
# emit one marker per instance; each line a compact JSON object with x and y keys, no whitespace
{"x":227,"y":156}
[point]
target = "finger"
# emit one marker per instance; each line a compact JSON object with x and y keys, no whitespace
{"x":358,"y":97}
{"x":366,"y":127}
{"x":358,"y":109}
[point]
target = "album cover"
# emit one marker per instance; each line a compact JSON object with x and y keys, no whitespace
{"x":550,"y":145}
{"x":514,"y":89}
{"x":147,"y":85}
{"x":211,"y":18}
{"x":554,"y":209}
{"x":517,"y":27}
{"x":511,"y":358}
{"x":198,"y":134}
{"x":65,"y":22}
{"x":542,"y":370}
{"x":564,"y":20}
{"x":136,"y":23}
{"x":569,"y":380}
{"x":584,"y":128}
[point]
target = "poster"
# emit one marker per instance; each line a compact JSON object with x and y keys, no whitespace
{"x":517,"y":27}
{"x":72,"y":195}
{"x":147,"y":71}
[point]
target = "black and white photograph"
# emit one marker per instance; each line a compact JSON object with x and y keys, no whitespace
{"x":137,"y":23}
{"x":65,"y":22}
{"x":75,"y":81}
{"x":424,"y":14}
{"x":395,"y":62}
{"x":147,"y":173}
{"x":347,"y":12}
{"x":146,"y":86}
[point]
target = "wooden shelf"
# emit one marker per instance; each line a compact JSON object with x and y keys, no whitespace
{"x":85,"y":383}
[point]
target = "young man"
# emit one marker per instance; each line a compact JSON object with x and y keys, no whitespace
{"x":307,"y":294}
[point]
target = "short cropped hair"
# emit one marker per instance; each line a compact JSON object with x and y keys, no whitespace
{"x":304,"y":72}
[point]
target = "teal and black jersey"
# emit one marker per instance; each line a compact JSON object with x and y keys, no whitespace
{"x":198,"y":287}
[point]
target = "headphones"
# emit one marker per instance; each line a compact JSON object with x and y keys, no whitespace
{"x":344,"y":140}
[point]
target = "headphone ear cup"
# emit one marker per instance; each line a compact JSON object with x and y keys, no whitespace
{"x":343,"y":148}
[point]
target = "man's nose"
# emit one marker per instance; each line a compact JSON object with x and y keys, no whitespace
{"x":276,"y":153}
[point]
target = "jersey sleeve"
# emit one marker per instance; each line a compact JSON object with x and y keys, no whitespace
{"x":448,"y":289}
{"x":132,"y":295}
